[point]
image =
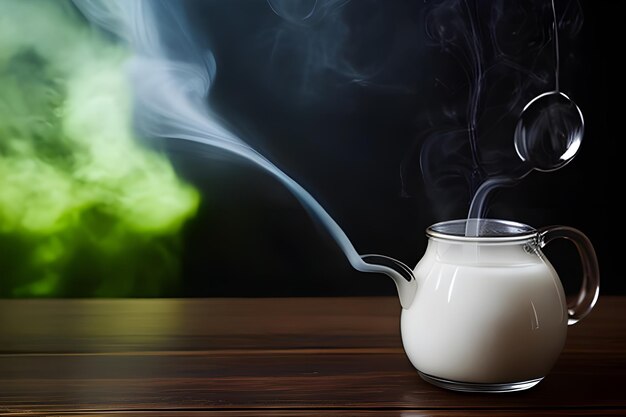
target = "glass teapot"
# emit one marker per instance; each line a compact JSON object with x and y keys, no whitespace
{"x":489,"y":313}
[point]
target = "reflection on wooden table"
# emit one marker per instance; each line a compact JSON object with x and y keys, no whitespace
{"x":287,"y":357}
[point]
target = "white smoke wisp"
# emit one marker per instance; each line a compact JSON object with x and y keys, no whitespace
{"x":171,"y":80}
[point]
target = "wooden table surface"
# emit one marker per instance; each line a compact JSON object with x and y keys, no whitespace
{"x":284,"y":357}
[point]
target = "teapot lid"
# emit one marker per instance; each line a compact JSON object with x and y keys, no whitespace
{"x":481,"y":230}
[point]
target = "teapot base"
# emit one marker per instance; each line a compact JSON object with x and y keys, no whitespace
{"x":479,"y":387}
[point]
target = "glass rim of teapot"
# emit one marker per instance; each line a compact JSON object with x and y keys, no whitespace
{"x":490,"y":230}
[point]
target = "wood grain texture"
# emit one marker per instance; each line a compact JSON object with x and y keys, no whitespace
{"x":332,"y":413}
{"x":197,"y":324}
{"x":289,"y":357}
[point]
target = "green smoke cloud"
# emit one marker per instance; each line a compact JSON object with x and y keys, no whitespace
{"x":84,"y":208}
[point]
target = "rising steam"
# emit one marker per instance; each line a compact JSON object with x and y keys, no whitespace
{"x":315,"y":32}
{"x":326,"y":44}
{"x":171,"y":79}
{"x":491,"y":59}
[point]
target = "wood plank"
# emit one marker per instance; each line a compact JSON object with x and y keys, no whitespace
{"x":259,"y":380}
{"x":335,"y":412}
{"x":201,"y":324}
{"x":190,"y":324}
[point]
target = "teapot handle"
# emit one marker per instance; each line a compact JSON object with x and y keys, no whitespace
{"x":588,"y":295}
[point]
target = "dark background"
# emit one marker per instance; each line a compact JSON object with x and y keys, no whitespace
{"x":347,"y":131}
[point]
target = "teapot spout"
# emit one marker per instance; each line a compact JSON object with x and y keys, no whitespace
{"x":401,"y":274}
